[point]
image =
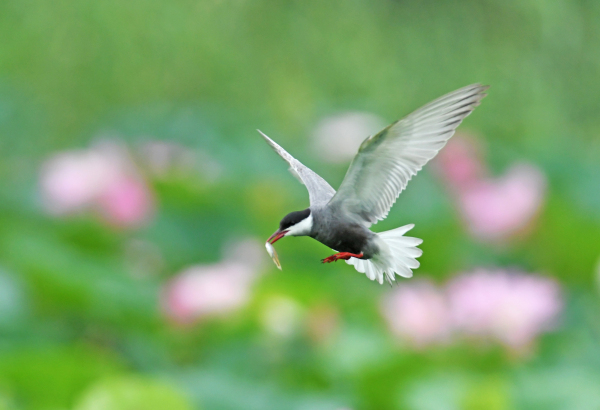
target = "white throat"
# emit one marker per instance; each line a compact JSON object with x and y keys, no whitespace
{"x":302,"y":228}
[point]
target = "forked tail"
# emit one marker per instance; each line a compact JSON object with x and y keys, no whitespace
{"x":397,"y":256}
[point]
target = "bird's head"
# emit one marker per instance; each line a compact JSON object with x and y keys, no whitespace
{"x":297,"y":223}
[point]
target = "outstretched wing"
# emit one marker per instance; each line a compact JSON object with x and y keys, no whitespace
{"x":388,"y":160}
{"x":319,"y":191}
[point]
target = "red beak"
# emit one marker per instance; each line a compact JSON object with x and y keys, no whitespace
{"x":276,"y":236}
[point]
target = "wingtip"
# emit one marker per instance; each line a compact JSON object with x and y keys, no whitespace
{"x":479,"y":85}
{"x":478,"y":88}
{"x":269,"y":140}
{"x":482,"y":90}
{"x":479,"y":91}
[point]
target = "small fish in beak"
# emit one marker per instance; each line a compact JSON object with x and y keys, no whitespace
{"x":273,"y":254}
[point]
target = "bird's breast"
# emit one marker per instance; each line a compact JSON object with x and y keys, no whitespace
{"x":344,"y":237}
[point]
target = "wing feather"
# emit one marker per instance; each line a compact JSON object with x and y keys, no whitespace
{"x":319,"y":191}
{"x":388,"y":160}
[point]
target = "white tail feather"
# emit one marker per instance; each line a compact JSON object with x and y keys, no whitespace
{"x":397,"y":256}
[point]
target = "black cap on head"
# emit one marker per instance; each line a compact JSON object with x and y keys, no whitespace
{"x":293,"y":218}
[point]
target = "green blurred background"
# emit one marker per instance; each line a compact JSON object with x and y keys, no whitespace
{"x":82,"y":301}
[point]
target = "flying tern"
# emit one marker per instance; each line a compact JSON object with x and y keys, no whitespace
{"x":379,"y":172}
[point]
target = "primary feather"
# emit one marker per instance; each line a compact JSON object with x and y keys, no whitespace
{"x":319,"y":191}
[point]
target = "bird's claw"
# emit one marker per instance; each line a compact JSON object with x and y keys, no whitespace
{"x":341,"y":255}
{"x":329,"y":259}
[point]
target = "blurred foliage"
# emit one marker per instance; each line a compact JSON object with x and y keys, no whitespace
{"x":76,"y":322}
{"x":132,"y":394}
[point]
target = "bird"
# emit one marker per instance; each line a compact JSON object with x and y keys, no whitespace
{"x":379,"y":172}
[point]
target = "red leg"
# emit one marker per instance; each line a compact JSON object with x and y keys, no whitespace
{"x":341,"y":255}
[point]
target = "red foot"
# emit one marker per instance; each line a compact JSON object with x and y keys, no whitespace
{"x":341,"y":255}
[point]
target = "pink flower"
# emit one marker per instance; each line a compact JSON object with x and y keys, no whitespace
{"x":210,"y":290}
{"x":336,"y":139}
{"x":498,"y":208}
{"x":418,"y":313}
{"x":493,"y":208}
{"x":71,"y":180}
{"x":213,"y":290}
{"x":103,"y":178}
{"x":511,"y":307}
{"x":126,"y":202}
{"x":460,"y":161}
